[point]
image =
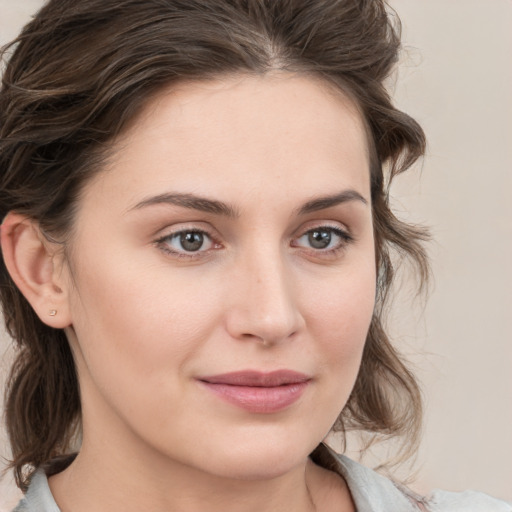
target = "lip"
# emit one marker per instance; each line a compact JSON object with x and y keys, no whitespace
{"x":258,"y":392}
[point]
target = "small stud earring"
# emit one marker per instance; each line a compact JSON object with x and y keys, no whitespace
{"x":53,"y":312}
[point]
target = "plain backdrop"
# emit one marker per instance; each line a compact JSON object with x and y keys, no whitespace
{"x":455,"y":78}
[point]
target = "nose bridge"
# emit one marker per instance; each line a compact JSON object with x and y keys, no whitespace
{"x":267,"y":309}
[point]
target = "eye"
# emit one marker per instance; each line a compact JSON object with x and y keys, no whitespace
{"x":186,"y":241}
{"x":323,"y":238}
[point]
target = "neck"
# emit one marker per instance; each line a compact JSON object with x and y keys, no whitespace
{"x":118,"y":486}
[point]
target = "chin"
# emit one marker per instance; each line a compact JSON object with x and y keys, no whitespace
{"x":260,"y":457}
{"x":251,"y":468}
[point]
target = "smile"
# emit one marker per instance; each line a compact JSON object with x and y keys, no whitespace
{"x":258,"y":392}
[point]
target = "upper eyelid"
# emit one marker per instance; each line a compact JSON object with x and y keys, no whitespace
{"x":343,"y":233}
{"x":214,"y":235}
{"x":333,"y":225}
{"x":184,"y":230}
{"x":170,"y":231}
{"x":165,"y":234}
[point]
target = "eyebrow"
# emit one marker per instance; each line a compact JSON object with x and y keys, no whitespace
{"x":190,"y":201}
{"x":322,"y":203}
{"x":204,"y":204}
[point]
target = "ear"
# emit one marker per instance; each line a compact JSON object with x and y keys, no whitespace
{"x":38,"y":268}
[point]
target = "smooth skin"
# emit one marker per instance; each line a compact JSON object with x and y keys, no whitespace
{"x":230,"y":230}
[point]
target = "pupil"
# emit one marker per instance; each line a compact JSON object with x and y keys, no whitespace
{"x":319,"y":239}
{"x":192,"y":241}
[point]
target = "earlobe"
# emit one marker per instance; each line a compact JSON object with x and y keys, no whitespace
{"x":36,"y":267}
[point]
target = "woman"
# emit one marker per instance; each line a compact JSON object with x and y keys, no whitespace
{"x":196,"y":253}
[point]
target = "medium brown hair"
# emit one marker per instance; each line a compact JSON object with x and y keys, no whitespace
{"x":82,"y":69}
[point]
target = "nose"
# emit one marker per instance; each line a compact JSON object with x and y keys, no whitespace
{"x":264,"y":305}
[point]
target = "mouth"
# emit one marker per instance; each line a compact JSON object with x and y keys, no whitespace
{"x":258,"y":392}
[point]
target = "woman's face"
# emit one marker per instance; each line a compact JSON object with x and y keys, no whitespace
{"x":222,"y":277}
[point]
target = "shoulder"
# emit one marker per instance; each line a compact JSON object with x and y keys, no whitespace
{"x":468,"y":501}
{"x":22,"y":506}
{"x":372,"y":491}
{"x":38,"y":497}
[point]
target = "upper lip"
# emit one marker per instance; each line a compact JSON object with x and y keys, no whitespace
{"x":256,"y":378}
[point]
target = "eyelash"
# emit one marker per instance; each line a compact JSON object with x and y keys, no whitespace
{"x":345,"y":239}
{"x":163,"y":242}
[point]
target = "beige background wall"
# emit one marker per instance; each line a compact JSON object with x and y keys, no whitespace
{"x":461,"y":92}
{"x":456,"y":79}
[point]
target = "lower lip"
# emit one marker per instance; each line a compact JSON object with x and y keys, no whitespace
{"x":259,"y":399}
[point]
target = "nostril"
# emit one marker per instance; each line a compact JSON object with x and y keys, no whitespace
{"x":266,"y":343}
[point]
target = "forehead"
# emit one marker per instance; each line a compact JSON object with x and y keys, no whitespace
{"x":235,"y":131}
{"x":253,"y":102}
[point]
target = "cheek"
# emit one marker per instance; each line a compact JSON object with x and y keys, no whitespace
{"x":139,"y":331}
{"x":339,"y":316}
{"x":343,"y":305}
{"x":138,"y":319}
{"x":339,"y":311}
